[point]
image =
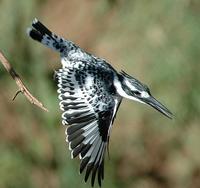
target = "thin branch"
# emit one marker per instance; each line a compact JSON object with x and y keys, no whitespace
{"x":22,"y":88}
{"x":19,"y":91}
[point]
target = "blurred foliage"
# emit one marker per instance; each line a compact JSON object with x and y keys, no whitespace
{"x":156,"y":41}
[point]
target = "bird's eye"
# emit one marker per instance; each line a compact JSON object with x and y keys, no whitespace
{"x":137,"y":93}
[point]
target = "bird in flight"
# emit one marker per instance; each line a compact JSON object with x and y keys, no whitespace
{"x":90,"y":92}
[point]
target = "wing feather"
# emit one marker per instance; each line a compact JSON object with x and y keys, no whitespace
{"x":89,"y":118}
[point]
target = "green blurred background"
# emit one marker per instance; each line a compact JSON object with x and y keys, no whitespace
{"x":156,"y":41}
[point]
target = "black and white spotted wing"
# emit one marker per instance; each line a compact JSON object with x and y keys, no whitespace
{"x":89,"y":110}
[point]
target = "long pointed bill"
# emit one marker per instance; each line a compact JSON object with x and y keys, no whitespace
{"x":158,"y":106}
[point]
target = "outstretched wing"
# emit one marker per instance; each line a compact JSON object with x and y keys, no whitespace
{"x":89,"y":110}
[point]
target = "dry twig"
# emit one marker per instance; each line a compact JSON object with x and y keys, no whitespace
{"x":22,"y":88}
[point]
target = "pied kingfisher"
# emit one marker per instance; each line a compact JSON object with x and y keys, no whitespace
{"x":90,"y":92}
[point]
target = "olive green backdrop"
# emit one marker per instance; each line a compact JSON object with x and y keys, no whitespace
{"x":156,"y":41}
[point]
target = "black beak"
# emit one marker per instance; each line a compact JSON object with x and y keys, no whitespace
{"x":158,"y":106}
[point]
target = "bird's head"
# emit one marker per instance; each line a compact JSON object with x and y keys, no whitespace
{"x":132,"y":88}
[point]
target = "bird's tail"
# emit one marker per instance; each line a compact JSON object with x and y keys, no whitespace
{"x":42,"y":34}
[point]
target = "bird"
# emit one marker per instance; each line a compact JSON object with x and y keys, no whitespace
{"x":90,"y":92}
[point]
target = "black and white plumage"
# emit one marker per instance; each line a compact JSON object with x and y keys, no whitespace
{"x":90,"y":92}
